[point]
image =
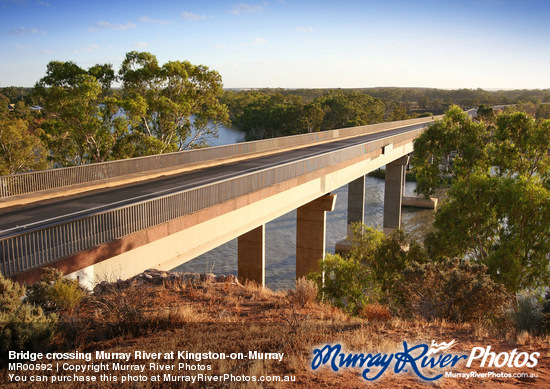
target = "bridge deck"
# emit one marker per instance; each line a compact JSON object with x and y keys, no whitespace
{"x":39,"y":216}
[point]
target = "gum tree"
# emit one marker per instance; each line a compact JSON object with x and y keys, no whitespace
{"x":83,"y":124}
{"x":176,"y":103}
{"x":497,"y":208}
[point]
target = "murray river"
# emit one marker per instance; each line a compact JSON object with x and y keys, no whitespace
{"x":280,"y":246}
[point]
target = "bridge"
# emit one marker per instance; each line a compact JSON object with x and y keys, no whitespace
{"x":122,"y":217}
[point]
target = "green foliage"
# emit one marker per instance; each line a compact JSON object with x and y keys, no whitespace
{"x":53,"y":293}
{"x":452,"y":147}
{"x":543,"y":111}
{"x":498,"y":205}
{"x":521,"y":145}
{"x":453,"y":290}
{"x":82,"y":124}
{"x":11,"y":295}
{"x":527,"y":315}
{"x":486,"y":113}
{"x":347,"y":283}
{"x":369,"y":273}
{"x":161,"y":109}
{"x":271,"y":114}
{"x":20,"y":149}
{"x":176,"y":103}
{"x":545,"y":313}
{"x":22,"y":326}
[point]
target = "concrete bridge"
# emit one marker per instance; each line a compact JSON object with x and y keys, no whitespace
{"x":119,"y":218}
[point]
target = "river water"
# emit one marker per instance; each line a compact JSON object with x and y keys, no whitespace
{"x":280,"y":238}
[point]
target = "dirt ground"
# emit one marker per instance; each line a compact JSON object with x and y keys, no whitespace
{"x":230,"y":318}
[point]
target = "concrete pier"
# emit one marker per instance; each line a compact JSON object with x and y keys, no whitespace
{"x":311,"y":234}
{"x":251,"y":256}
{"x":356,"y":213}
{"x":393,"y":194}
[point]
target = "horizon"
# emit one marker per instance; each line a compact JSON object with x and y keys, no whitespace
{"x":457,"y":44}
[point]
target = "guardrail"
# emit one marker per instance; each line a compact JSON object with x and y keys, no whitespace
{"x":18,"y":184}
{"x":38,"y":247}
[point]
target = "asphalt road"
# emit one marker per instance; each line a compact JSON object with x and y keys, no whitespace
{"x":41,"y":215}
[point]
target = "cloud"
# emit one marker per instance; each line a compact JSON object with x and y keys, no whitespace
{"x":191,"y":16}
{"x":243,"y":8}
{"x":25,"y":31}
{"x":139,"y":45}
{"x":305,"y":29}
{"x":43,"y":51}
{"x":147,"y":19}
{"x":111,"y":26}
{"x":257,"y":41}
{"x":220,"y":46}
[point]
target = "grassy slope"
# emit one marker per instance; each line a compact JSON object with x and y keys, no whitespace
{"x":226,"y":317}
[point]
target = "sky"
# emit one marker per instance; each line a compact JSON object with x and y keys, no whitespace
{"x":489,"y":44}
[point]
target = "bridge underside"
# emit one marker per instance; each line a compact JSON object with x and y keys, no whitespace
{"x":170,"y":244}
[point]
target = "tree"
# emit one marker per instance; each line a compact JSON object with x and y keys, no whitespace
{"x":350,"y":110}
{"x":20,"y":149}
{"x":497,"y":209}
{"x":176,"y":103}
{"x":450,"y":148}
{"x":82,"y":125}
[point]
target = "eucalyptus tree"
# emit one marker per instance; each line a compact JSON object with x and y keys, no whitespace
{"x":173,"y":106}
{"x":21,"y":150}
{"x":497,"y":208}
{"x":83,"y":125}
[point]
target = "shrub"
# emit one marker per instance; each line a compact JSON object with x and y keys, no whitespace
{"x":453,"y":290}
{"x":53,"y":293}
{"x":347,"y":283}
{"x":375,"y":312}
{"x":305,"y":293}
{"x":545,"y":313}
{"x":11,"y":295}
{"x":527,"y":315}
{"x":22,"y":326}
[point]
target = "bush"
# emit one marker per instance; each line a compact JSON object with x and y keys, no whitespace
{"x":454,"y":290}
{"x":545,"y":314}
{"x":527,"y":315}
{"x":22,"y":326}
{"x":375,"y":312}
{"x":54,"y":293}
{"x":11,"y":295}
{"x":305,"y":293}
{"x":369,"y":273}
{"x":347,"y":283}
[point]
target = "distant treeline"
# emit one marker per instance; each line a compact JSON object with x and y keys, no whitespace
{"x":77,"y":115}
{"x":268,"y":113}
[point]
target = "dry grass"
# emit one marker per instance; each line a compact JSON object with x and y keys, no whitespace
{"x":523,"y":338}
{"x":305,"y":293}
{"x":227,"y":318}
{"x":375,"y":312}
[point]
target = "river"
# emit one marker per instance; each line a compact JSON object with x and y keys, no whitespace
{"x":280,"y":237}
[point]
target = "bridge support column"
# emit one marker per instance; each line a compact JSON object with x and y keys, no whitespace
{"x":251,"y":256}
{"x":393,"y":193}
{"x":356,"y":202}
{"x":311,"y":234}
{"x":356,"y":211}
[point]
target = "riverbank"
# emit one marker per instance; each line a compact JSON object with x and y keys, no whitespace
{"x":180,"y":326}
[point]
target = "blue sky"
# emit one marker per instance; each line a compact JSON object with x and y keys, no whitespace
{"x":291,"y":43}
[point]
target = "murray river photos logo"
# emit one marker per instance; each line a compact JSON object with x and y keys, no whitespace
{"x":430,"y":363}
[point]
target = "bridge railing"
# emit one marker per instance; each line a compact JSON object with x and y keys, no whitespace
{"x":19,"y":184}
{"x":39,"y":247}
